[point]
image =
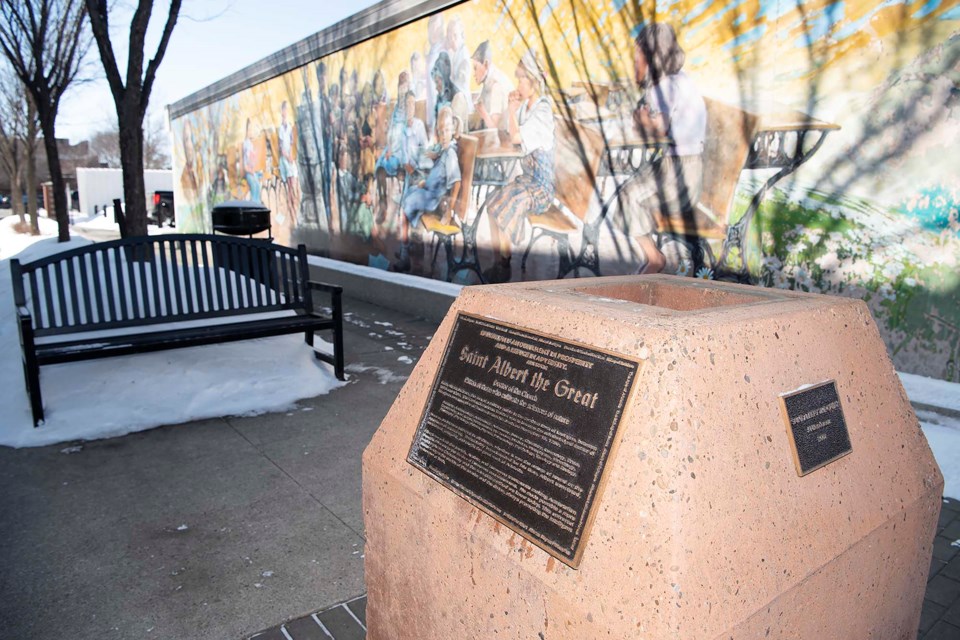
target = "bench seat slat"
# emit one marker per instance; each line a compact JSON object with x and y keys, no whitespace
{"x":110,"y":346}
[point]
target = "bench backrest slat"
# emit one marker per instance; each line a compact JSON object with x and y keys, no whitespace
{"x":83,"y":272}
{"x":74,"y":299}
{"x":157,"y":279}
{"x":144,"y":283}
{"x":47,"y":291}
{"x":285,"y":277}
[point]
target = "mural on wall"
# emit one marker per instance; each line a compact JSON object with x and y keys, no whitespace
{"x":808,"y":146}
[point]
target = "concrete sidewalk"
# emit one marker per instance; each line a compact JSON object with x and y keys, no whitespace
{"x":213,"y":529}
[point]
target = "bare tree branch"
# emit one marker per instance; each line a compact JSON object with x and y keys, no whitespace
{"x":45,"y":42}
{"x":132,"y":96}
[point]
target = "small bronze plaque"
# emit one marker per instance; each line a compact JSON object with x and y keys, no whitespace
{"x":817,"y":428}
{"x":521,"y":425}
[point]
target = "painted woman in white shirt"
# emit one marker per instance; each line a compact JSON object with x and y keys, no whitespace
{"x":495,"y":87}
{"x":672,"y":108}
{"x":530,"y":125}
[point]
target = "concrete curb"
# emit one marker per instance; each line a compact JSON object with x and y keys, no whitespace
{"x":413,"y":295}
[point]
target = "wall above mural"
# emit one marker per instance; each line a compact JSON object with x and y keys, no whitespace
{"x":800,"y":145}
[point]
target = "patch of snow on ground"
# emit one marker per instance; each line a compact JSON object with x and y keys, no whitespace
{"x":13,"y":244}
{"x":383,"y":375}
{"x":97,"y":222}
{"x":943,"y":435}
{"x":932,"y":392}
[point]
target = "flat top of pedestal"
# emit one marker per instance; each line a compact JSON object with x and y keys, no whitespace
{"x":660,"y":296}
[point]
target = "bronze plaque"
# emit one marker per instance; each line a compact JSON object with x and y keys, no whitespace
{"x":818,"y":431}
{"x":521,"y":425}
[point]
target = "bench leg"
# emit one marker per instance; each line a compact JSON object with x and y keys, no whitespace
{"x":337,"y":335}
{"x":32,"y":374}
{"x":31,"y":370}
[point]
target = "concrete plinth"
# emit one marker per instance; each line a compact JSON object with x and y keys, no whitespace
{"x":703,"y":526}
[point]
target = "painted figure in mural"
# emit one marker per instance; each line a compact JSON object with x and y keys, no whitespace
{"x":354,"y":88}
{"x":435,"y":37}
{"x":368,"y":129}
{"x":250,"y":163}
{"x":324,"y":135}
{"x":190,"y":206}
{"x":380,"y":95}
{"x":289,"y":174}
{"x":414,"y":136}
{"x":356,"y":205}
{"x":188,"y":178}
{"x":448,"y":94}
{"x":350,"y":133}
{"x":393,"y":157}
{"x":529,"y":124}
{"x":418,"y":76}
{"x":336,"y":140}
{"x":442,"y":181}
{"x":673,"y":108}
{"x":495,"y":87}
{"x":459,"y":58}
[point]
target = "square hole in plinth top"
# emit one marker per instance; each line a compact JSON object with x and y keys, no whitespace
{"x":682,"y":296}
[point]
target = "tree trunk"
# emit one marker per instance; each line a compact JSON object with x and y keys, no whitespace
{"x":48,"y":126}
{"x":31,"y":162}
{"x":131,"y":160}
{"x":16,"y":194}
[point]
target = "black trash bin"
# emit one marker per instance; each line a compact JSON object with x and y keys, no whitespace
{"x":244,"y":218}
{"x":241,"y":218}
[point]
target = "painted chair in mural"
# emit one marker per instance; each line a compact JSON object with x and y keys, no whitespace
{"x":730,"y":134}
{"x":460,"y":224}
{"x":579,"y":150}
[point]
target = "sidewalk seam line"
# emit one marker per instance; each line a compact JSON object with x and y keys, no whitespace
{"x":294,"y":480}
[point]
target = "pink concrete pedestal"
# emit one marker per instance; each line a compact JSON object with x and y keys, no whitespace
{"x":703,"y":527}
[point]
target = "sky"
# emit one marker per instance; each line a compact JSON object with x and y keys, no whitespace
{"x":212,"y":39}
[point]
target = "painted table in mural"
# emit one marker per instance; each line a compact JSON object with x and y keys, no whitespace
{"x":495,"y":165}
{"x":625,"y":153}
{"x":782,"y":141}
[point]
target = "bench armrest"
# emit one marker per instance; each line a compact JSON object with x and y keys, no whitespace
{"x":336,"y":305}
{"x":335,"y":292}
{"x":323,"y":286}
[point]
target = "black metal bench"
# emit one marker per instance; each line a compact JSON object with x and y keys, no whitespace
{"x":164,"y":292}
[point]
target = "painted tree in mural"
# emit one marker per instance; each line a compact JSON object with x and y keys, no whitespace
{"x":132,"y":95}
{"x":45,"y":42}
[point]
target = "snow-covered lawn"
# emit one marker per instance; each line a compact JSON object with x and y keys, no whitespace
{"x":112,"y":397}
{"x":105,"y":398}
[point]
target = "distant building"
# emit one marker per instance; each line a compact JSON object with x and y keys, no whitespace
{"x":71,"y":157}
